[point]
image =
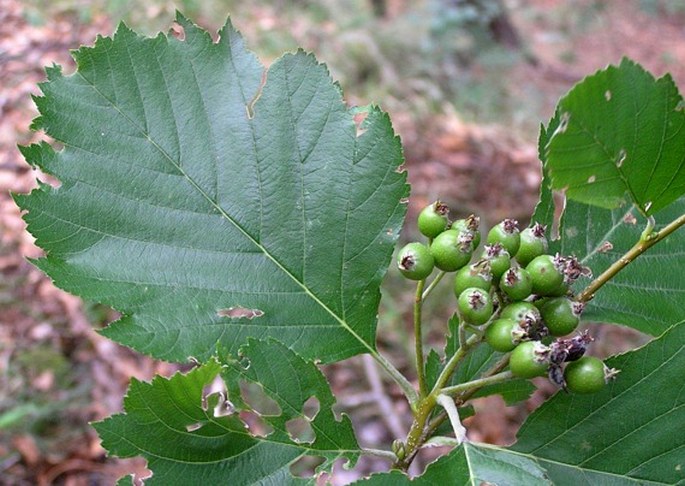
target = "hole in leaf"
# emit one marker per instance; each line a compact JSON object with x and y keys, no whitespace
{"x":404,"y":200}
{"x":194,"y":427}
{"x":648,"y":206}
{"x":559,"y":200}
{"x":630,"y":219}
{"x":607,"y":95}
{"x":359,"y":118}
{"x":305,"y":466}
{"x":300,"y":430}
{"x":563,"y":122}
{"x":621,"y":158}
{"x":311,"y":407}
{"x":214,"y":394}
{"x":256,"y":424}
{"x":591,"y":179}
{"x":178,"y":31}
{"x":255,"y":397}
{"x":606,"y":247}
{"x":239,"y":312}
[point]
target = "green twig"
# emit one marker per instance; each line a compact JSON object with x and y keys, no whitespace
{"x":645,"y":242}
{"x":478,"y":383}
{"x":433,"y":284}
{"x":418,"y":339}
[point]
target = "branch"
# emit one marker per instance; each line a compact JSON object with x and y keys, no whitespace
{"x":647,"y":241}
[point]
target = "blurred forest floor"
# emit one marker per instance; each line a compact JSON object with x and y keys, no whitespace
{"x":466,"y":93}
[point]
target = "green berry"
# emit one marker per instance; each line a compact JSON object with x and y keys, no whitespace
{"x":561,"y":315}
{"x":415,"y":261}
{"x":507,"y":234}
{"x":501,"y":335}
{"x":546,"y":273}
{"x":586,"y":375}
{"x":516,"y":283}
{"x":499,"y":259}
{"x":520,"y":311}
{"x":533,"y":244}
{"x":475,"y":306}
{"x":433,"y":220}
{"x":471,"y":224}
{"x":529,"y":359}
{"x":475,"y":275}
{"x":451,"y":250}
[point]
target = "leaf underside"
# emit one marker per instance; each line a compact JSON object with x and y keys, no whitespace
{"x":210,"y":201}
{"x":175,"y":426}
{"x":620,"y":138}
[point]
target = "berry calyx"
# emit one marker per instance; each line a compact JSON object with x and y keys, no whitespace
{"x":587,"y":375}
{"x":516,"y":283}
{"x":499,"y":259}
{"x":475,"y":306}
{"x":546,"y":273}
{"x":452,"y":250}
{"x":475,"y":275}
{"x":529,"y":359}
{"x":433,"y":219}
{"x":507,"y":234}
{"x":533,"y":243}
{"x":566,"y":350}
{"x":501,"y":335}
{"x":561,"y":315}
{"x":470,"y":224}
{"x":415,"y":261}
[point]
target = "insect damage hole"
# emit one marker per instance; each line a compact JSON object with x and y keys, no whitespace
{"x":178,"y":31}
{"x":240,"y":312}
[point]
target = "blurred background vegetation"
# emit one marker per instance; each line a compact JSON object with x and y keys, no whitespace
{"x":467,"y":84}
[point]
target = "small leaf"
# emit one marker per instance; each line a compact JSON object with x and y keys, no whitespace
{"x":208,"y":206}
{"x":471,"y":464}
{"x":629,"y":433}
{"x":621,"y":138}
{"x":174,"y":426}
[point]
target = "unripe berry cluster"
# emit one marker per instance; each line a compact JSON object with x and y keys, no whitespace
{"x":513,"y":291}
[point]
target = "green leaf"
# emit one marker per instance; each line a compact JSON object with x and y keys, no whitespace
{"x":621,"y":138}
{"x":629,"y":433}
{"x":207,"y":207}
{"x":175,"y":427}
{"x":471,"y":464}
{"x":544,"y":209}
{"x":647,"y":294}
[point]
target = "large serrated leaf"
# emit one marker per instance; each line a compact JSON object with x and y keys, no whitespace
{"x":621,"y":138}
{"x":210,"y":200}
{"x":471,"y":464}
{"x":629,"y":433}
{"x":647,"y":294}
{"x":169,"y":424}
